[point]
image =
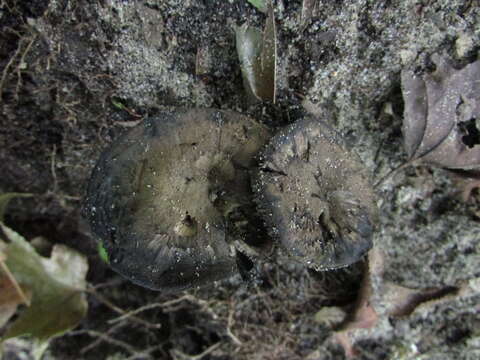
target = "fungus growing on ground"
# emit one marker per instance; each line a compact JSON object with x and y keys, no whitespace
{"x":315,"y":196}
{"x":171,"y":197}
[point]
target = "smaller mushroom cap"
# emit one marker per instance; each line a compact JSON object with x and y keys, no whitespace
{"x":315,"y":196}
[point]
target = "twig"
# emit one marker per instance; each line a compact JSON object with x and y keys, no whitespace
{"x":129,"y":348}
{"x":52,"y":168}
{"x":230,"y":334}
{"x":99,"y":340}
{"x":7,"y":67}
{"x":129,"y":314}
{"x":22,"y":61}
{"x":114,"y":282}
{"x":183,"y":356}
{"x":115,"y":308}
{"x":148,"y":352}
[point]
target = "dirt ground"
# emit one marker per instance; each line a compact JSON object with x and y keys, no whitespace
{"x":76,"y":74}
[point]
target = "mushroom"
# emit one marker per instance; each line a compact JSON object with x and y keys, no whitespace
{"x":315,"y":196}
{"x":171,"y":198}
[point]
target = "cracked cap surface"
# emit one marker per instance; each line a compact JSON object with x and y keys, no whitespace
{"x":158,"y":196}
{"x":315,"y":196}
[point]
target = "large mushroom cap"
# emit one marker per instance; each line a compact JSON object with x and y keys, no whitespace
{"x":315,"y":196}
{"x":159,"y":196}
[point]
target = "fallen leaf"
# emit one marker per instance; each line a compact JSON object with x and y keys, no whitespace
{"x":392,"y":300}
{"x":404,"y":301}
{"x":57,"y":284}
{"x":11,"y":294}
{"x":342,"y":338}
{"x":102,"y":252}
{"x":467,"y":182}
{"x":261,"y":5}
{"x":257,"y":55}
{"x":442,"y":115}
{"x":363,"y":316}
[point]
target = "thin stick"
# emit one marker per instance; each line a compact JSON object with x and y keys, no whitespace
{"x":99,"y":340}
{"x":199,"y":356}
{"x":230,"y":334}
{"x":115,"y":308}
{"x":129,"y":314}
{"x":7,"y":68}
{"x":110,"y":340}
{"x":395,"y":171}
{"x":52,"y":168}
{"x":22,"y":60}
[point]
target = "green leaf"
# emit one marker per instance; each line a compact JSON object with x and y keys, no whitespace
{"x":261,"y":5}
{"x":102,"y":252}
{"x":57,"y":285}
{"x":118,"y":104}
{"x":5,"y":199}
{"x":257,"y":55}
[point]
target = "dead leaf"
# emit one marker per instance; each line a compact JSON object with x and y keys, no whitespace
{"x":404,"y":301}
{"x":11,"y":294}
{"x":442,"y":115}
{"x":398,"y":301}
{"x":466,"y":182}
{"x":57,"y":284}
{"x":257,"y":55}
{"x":342,"y":338}
{"x":364,"y":316}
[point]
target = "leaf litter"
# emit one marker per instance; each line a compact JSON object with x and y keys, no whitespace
{"x":441,"y":123}
{"x":12,"y":295}
{"x":379,"y":300}
{"x":442,"y":110}
{"x":257,"y":53}
{"x":52,"y":288}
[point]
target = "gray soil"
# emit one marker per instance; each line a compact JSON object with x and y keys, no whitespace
{"x":76,"y":74}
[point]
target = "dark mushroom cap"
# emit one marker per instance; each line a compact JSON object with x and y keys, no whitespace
{"x":315,"y":196}
{"x":158,"y":197}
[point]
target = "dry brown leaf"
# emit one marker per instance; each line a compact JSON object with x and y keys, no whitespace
{"x":364,"y":315}
{"x":257,"y":53}
{"x":404,"y":301}
{"x":442,"y":115}
{"x":11,"y":294}
{"x":398,"y":301}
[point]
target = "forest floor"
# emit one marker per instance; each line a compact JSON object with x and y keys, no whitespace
{"x":76,"y":74}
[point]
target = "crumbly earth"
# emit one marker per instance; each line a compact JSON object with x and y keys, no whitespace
{"x":75,"y":74}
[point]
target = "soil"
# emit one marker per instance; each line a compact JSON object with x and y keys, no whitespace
{"x":76,"y":74}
